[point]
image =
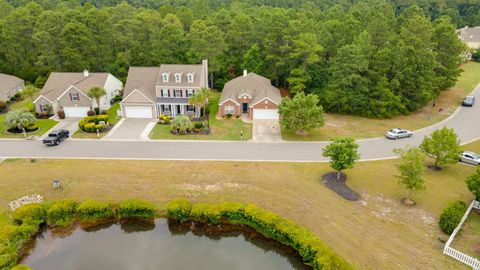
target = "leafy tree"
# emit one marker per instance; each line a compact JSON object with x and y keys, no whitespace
{"x":411,"y":169}
{"x":443,"y":146}
{"x":181,"y":123}
{"x":305,"y":52}
{"x":19,"y":119}
{"x":30,"y":91}
{"x":97,"y":93}
{"x":301,"y":113}
{"x":253,"y":61}
{"x":342,"y":153}
{"x":473,"y":183}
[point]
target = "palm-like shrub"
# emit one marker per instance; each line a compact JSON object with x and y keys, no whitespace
{"x":201,"y":98}
{"x":97,"y":93}
{"x":181,"y":123}
{"x":19,"y":119}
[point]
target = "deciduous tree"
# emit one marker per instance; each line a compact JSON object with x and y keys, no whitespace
{"x":301,"y":113}
{"x":443,"y":146}
{"x":342,"y":153}
{"x":411,"y":169}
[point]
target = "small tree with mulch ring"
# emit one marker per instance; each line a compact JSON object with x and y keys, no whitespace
{"x":443,"y":146}
{"x":343,"y":153}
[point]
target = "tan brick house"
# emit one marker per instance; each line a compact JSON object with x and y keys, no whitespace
{"x":251,"y":95}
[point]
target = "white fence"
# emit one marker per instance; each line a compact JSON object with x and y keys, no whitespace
{"x":470,"y":261}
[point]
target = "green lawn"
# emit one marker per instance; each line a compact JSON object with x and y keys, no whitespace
{"x":43,"y":124}
{"x":113,"y":119}
{"x":360,"y":127}
{"x":221,"y":129}
{"x":377,"y":232}
{"x":468,"y":239}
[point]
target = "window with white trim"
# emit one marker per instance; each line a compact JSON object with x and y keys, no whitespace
{"x":229,"y":109}
{"x":165,"y":93}
{"x":190,"y":92}
{"x":178,"y":93}
{"x":44,"y":107}
{"x":190,"y":108}
{"x":178,"y":77}
{"x":74,"y":97}
{"x":190,"y":77}
{"x":165,"y":77}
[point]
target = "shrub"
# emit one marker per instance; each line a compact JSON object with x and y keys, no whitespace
{"x":229,"y":115}
{"x":451,"y":216}
{"x":97,"y":111}
{"x":89,"y":127}
{"x":104,"y":112}
{"x":33,"y":213}
{"x":12,"y":239}
{"x":61,"y":213}
{"x":61,"y":114}
{"x":21,"y":267}
{"x":3,"y":105}
{"x":198,"y":125}
{"x":101,"y":118}
{"x":91,"y":113}
{"x":181,"y":123}
{"x":179,"y":209}
{"x":136,"y":209}
{"x":99,"y":127}
{"x":31,"y":127}
{"x":165,"y":119}
{"x":93,"y":210}
{"x":203,"y":212}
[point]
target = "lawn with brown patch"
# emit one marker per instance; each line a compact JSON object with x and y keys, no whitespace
{"x":467,"y":240}
{"x":377,"y":232}
{"x":360,"y":127}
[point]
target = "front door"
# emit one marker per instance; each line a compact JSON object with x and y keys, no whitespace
{"x":179,"y":109}
{"x":245,"y":107}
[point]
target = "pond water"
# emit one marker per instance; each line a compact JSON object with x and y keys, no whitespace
{"x":158,"y":245}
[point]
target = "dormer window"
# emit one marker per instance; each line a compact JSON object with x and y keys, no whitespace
{"x":165,"y":77}
{"x":190,"y":77}
{"x":178,"y":77}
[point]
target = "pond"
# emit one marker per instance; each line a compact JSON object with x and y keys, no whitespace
{"x":161,"y":244}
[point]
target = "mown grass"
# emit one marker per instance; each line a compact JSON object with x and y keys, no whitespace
{"x":360,"y":127}
{"x":468,"y":239}
{"x":221,"y":129}
{"x":377,"y":232}
{"x":43,"y":124}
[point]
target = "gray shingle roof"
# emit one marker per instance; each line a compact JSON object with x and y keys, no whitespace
{"x":254,"y":85}
{"x":58,"y":82}
{"x":198,"y":78}
{"x":470,"y":34}
{"x":143,"y":79}
{"x":8,"y":82}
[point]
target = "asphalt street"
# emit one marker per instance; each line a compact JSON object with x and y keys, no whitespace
{"x":465,"y":121}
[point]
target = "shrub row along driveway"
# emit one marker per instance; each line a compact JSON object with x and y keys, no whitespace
{"x":464,"y":121}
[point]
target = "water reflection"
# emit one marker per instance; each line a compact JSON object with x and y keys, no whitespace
{"x":159,"y":244}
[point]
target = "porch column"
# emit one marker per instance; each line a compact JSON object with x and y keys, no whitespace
{"x":160,"y":111}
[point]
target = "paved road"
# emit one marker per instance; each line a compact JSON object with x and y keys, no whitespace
{"x":465,"y":121}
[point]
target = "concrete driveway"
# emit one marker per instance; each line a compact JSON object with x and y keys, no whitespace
{"x":70,"y":124}
{"x":131,"y":129}
{"x":266,"y":131}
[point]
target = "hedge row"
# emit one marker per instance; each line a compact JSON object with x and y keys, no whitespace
{"x":313,"y":251}
{"x":451,"y":216}
{"x":28,"y":218}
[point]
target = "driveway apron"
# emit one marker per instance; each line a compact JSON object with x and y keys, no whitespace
{"x":266,"y":131}
{"x":129,"y":129}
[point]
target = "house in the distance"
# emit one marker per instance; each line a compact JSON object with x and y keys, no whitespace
{"x":153,"y":91}
{"x":471,"y":36}
{"x":9,"y":86}
{"x":251,"y":95}
{"x":68,"y":91}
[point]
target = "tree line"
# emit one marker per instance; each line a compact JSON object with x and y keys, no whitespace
{"x":372,"y":58}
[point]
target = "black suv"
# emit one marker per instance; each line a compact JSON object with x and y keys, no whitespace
{"x":56,"y":137}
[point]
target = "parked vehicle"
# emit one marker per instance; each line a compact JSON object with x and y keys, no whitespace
{"x":470,"y":158}
{"x":468,"y":101}
{"x":398,"y":133}
{"x":56,"y":137}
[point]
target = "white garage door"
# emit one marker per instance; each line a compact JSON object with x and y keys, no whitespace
{"x":265,"y":114}
{"x":76,"y":111}
{"x":138,"y":111}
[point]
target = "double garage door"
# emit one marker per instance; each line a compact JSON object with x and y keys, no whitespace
{"x":138,"y":111}
{"x":76,"y":111}
{"x":265,"y":114}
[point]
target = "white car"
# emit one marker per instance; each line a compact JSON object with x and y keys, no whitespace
{"x":470,"y":158}
{"x":397,"y":133}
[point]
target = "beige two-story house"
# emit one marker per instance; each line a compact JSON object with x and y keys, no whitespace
{"x":153,"y":91}
{"x":68,"y":91}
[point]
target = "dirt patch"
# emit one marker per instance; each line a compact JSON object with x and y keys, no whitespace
{"x":434,"y":168}
{"x":339,"y":185}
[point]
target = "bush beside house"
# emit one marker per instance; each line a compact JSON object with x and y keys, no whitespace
{"x":93,"y":123}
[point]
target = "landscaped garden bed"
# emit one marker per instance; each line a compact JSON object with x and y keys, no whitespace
{"x":89,"y":125}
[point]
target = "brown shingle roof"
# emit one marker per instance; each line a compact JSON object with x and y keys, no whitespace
{"x":143,"y":79}
{"x":254,"y":85}
{"x":197,"y":70}
{"x":58,"y":82}
{"x":8,"y":82}
{"x":470,"y":34}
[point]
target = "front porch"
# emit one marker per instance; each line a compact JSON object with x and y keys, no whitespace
{"x":173,"y":110}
